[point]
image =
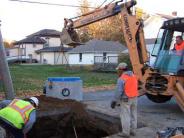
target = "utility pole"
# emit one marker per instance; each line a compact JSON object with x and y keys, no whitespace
{"x":4,"y":71}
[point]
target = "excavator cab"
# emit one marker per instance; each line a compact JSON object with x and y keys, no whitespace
{"x":169,"y":61}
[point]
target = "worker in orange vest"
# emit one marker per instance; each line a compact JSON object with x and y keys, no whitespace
{"x":126,"y":94}
{"x":179,"y":45}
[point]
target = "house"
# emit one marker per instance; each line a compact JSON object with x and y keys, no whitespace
{"x":96,"y":51}
{"x":153,"y":23}
{"x":52,"y":37}
{"x":53,"y":55}
{"x":43,"y":47}
{"x":26,"y":47}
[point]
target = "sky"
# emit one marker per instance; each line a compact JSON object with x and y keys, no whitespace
{"x":21,"y":19}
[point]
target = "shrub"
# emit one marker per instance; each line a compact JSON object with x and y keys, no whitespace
{"x":125,"y":58}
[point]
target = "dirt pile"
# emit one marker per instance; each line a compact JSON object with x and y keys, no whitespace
{"x":70,"y":120}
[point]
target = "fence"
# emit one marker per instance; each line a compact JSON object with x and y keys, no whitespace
{"x":102,"y":63}
{"x":108,"y":59}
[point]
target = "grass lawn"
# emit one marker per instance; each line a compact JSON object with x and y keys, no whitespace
{"x":31,"y":78}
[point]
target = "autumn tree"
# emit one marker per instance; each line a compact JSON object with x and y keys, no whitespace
{"x":84,"y":31}
{"x":8,"y":44}
{"x":107,"y":29}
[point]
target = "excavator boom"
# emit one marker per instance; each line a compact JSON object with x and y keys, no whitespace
{"x":132,"y":29}
{"x":103,"y":13}
{"x":69,"y":35}
{"x":159,"y":87}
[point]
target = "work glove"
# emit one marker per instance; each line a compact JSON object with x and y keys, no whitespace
{"x":113,"y":104}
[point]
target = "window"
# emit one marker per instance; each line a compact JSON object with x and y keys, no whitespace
{"x":80,"y":57}
{"x":45,"y":45}
{"x":104,"y":57}
{"x":157,"y":45}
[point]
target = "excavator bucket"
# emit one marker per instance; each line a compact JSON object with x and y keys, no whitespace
{"x":179,"y":95}
{"x":70,"y":37}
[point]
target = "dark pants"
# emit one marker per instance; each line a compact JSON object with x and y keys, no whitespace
{"x":17,"y":133}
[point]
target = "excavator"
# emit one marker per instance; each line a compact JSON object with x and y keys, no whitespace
{"x":159,"y":82}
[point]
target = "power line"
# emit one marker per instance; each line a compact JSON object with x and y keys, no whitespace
{"x":54,"y":4}
{"x":102,"y":4}
{"x":111,"y":1}
{"x":95,"y":8}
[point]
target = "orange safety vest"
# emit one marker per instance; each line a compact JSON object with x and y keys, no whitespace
{"x":179,"y":47}
{"x":131,"y":85}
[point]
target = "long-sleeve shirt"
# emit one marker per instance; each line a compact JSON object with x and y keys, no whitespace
{"x":119,"y":93}
{"x":32,"y":116}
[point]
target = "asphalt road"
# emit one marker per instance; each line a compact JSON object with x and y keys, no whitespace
{"x":152,"y":117}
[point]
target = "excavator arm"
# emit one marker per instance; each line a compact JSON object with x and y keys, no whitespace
{"x":132,"y":29}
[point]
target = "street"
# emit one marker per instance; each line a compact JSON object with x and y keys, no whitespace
{"x":152,"y":117}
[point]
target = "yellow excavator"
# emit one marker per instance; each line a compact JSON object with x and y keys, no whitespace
{"x":159,"y":82}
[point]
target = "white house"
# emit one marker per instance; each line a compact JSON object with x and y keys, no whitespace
{"x":54,"y":55}
{"x":43,"y":46}
{"x":51,"y":37}
{"x":95,"y":51}
{"x":26,"y":47}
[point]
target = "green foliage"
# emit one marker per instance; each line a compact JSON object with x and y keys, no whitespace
{"x":125,"y":58}
{"x":31,"y":77}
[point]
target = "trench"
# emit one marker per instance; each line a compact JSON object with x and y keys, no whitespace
{"x":70,"y":119}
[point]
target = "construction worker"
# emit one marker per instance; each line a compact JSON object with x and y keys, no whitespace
{"x":18,"y":116}
{"x":179,"y":45}
{"x":126,"y":96}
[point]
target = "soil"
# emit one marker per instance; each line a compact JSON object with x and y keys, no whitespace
{"x":73,"y":121}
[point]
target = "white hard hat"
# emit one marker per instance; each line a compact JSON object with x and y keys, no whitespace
{"x":35,"y":100}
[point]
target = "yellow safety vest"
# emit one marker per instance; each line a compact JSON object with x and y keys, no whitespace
{"x":17,"y":113}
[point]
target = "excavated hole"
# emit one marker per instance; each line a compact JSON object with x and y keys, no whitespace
{"x":70,"y":119}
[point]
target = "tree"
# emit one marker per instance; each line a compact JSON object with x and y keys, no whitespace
{"x":107,"y":29}
{"x":7,"y":44}
{"x":84,"y":31}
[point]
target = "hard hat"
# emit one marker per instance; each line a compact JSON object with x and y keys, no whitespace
{"x":122,"y":65}
{"x":35,"y":100}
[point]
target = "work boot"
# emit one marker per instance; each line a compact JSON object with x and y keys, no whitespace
{"x":123,"y":135}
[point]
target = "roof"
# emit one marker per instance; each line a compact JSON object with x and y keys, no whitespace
{"x":46,"y":33}
{"x":176,"y":24}
{"x":99,"y":46}
{"x":54,"y":49}
{"x":30,"y":40}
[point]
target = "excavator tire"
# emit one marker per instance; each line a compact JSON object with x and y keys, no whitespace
{"x":158,"y":98}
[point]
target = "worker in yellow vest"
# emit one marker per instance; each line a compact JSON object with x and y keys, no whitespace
{"x":18,"y":116}
{"x":126,"y":96}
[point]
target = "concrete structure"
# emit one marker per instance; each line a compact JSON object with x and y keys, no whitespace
{"x":65,"y":88}
{"x":96,"y":51}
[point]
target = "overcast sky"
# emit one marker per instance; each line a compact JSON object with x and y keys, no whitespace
{"x":21,"y":19}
